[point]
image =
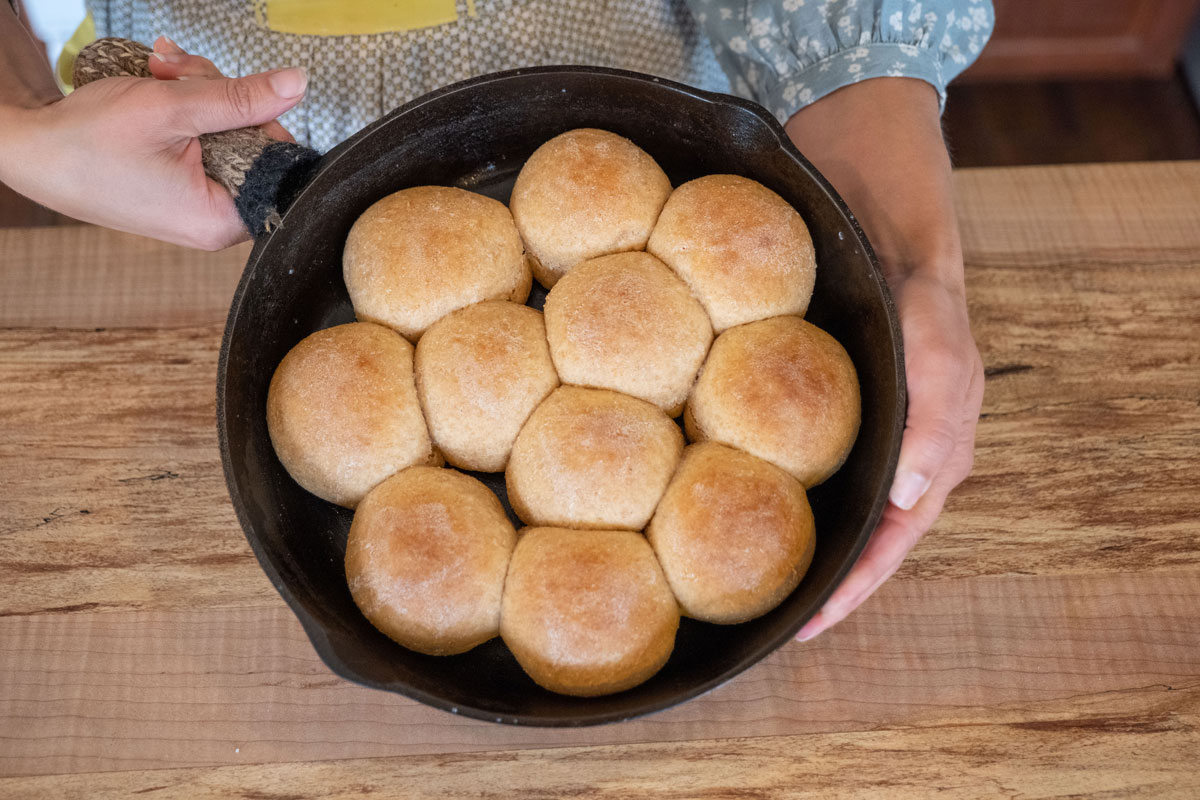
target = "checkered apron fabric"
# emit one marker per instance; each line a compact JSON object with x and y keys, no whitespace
{"x":356,"y":79}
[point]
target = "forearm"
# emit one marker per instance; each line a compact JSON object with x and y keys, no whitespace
{"x":880,"y":144}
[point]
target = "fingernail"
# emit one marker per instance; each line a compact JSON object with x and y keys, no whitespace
{"x":171,"y":43}
{"x":168,"y":58}
{"x":288,"y":83}
{"x":907,"y":489}
{"x":810,"y":629}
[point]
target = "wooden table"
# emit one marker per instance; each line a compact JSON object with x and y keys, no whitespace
{"x":1043,"y":640}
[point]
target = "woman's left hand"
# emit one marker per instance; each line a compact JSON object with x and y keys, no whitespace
{"x":880,"y":143}
{"x":945,"y":392}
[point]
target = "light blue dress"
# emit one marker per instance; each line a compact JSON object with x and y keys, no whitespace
{"x":788,"y":53}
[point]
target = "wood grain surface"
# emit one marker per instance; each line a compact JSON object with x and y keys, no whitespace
{"x":1042,"y":641}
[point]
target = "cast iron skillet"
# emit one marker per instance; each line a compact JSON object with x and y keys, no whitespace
{"x":476,"y":135}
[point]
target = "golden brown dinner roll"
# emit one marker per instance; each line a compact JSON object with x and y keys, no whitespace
{"x":420,"y":253}
{"x":481,"y":370}
{"x":343,"y":413}
{"x":426,"y":559}
{"x":783,"y":390}
{"x":587,"y":612}
{"x":734,"y":534}
{"x":586,"y":193}
{"x":745,"y":253}
{"x":626,"y":322}
{"x":591,"y":458}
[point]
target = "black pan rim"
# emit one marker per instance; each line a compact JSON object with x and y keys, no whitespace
{"x":750,"y":657}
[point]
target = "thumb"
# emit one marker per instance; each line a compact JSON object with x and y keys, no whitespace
{"x":929,"y":440}
{"x":223,"y":104}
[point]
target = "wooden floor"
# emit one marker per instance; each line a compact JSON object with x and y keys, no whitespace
{"x":992,"y":125}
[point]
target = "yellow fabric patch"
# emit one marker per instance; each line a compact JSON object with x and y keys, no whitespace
{"x":64,"y":70}
{"x":341,"y":18}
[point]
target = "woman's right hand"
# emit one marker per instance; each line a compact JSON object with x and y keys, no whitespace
{"x":125,"y":152}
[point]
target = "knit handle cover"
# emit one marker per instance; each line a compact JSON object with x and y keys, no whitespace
{"x":261,"y":173}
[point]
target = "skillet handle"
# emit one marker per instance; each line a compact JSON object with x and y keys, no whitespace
{"x":260,"y":173}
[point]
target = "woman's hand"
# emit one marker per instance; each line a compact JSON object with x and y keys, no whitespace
{"x":125,"y":152}
{"x":945,"y":391}
{"x":880,"y":144}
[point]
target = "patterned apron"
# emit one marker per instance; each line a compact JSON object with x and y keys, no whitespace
{"x":365,"y":58}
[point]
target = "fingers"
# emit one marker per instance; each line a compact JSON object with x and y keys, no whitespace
{"x":940,"y":359}
{"x":881,"y":558}
{"x":897,"y":534}
{"x":181,"y":66}
{"x":277,"y":131}
{"x":171,"y":62}
{"x":222,"y":104}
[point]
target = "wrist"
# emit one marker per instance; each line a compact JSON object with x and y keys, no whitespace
{"x":28,"y":163}
{"x":880,"y":144}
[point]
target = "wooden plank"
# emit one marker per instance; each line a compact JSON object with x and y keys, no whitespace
{"x":1135,"y":743}
{"x":142,"y":690}
{"x":112,"y":484}
{"x":1077,"y":216}
{"x":115,"y":497}
{"x":81,"y":276}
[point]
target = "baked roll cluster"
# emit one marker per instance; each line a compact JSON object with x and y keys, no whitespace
{"x":661,"y":302}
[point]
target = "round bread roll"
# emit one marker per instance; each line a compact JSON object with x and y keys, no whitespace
{"x":734,"y":534}
{"x":783,"y":390}
{"x":587,"y":612}
{"x":343,"y":414}
{"x":481,"y":371}
{"x":586,"y":193}
{"x":591,"y":458}
{"x":626,"y":322}
{"x":745,"y":253}
{"x":418,"y":254}
{"x":426,"y":559}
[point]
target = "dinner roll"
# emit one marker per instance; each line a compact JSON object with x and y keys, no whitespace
{"x":587,"y":612}
{"x":586,"y":193}
{"x":626,"y":322}
{"x":783,"y":390}
{"x":418,"y":254}
{"x":591,"y":458}
{"x":734,"y":534}
{"x":745,"y":253}
{"x":481,"y":370}
{"x":342,"y":411}
{"x":426,"y":559}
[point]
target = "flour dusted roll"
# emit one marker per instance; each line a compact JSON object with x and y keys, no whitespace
{"x":583,"y":194}
{"x":420,"y":253}
{"x":592,"y":458}
{"x":783,"y":390}
{"x":426,"y":559}
{"x":587,"y":613}
{"x":481,"y":371}
{"x":626,"y":322}
{"x":745,"y":253}
{"x":733,"y":533}
{"x":342,"y":411}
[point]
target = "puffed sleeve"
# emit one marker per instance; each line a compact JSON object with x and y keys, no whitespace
{"x":786,"y":54}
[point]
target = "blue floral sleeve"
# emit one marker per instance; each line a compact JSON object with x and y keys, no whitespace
{"x":788,"y":53}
